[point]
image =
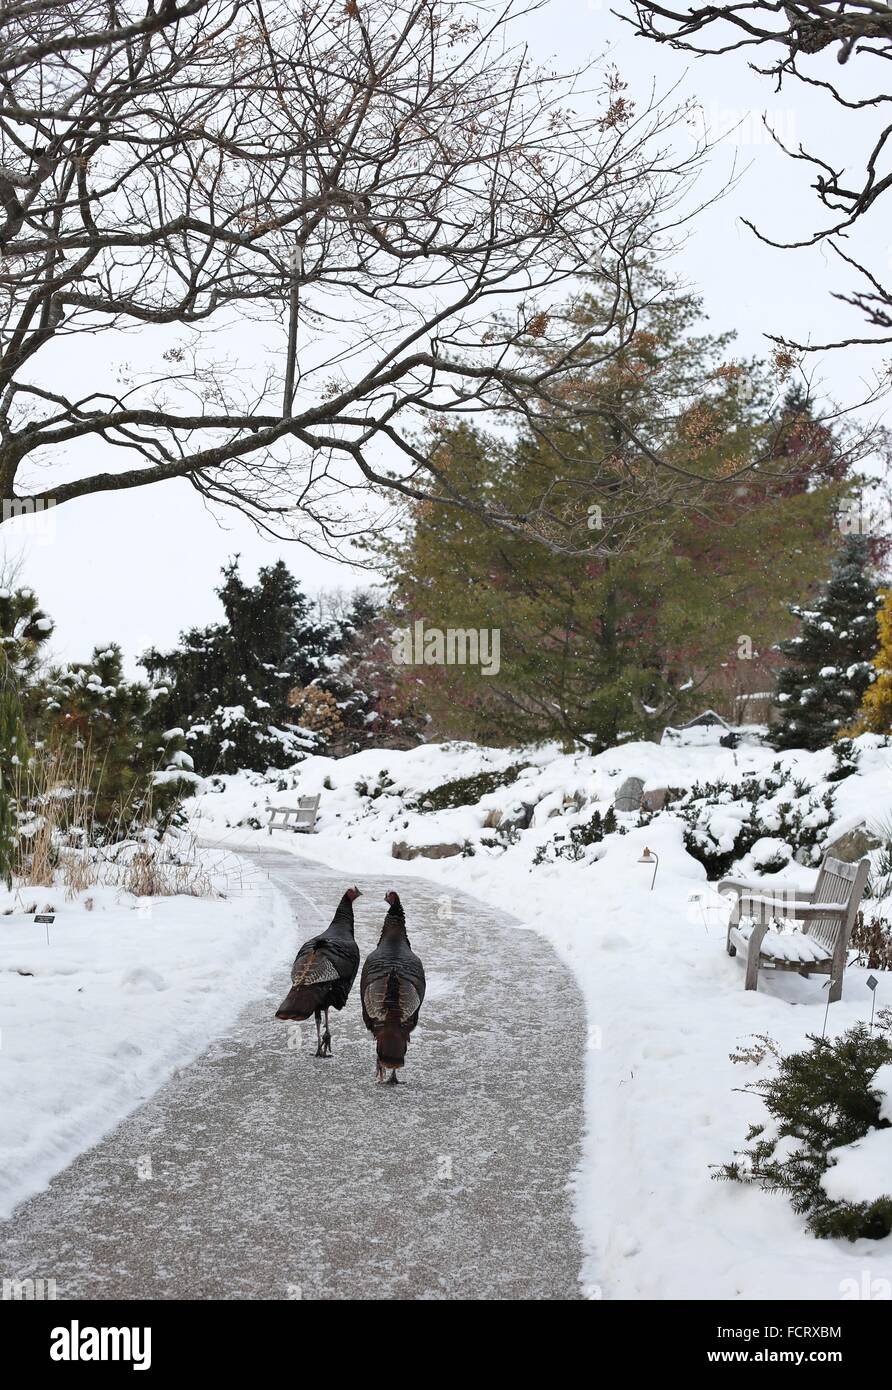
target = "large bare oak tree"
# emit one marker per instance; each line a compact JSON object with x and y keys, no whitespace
{"x":331,"y":226}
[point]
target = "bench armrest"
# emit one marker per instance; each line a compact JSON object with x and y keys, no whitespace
{"x":761,"y":889}
{"x":794,"y":909}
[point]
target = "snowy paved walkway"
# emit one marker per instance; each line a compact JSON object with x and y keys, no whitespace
{"x":276,"y":1175}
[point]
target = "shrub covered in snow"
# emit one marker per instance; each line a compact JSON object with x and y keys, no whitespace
{"x":725,"y":821}
{"x":822,"y":1101}
{"x":467,"y":791}
{"x":574,"y":844}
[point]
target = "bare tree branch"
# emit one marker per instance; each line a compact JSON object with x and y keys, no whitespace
{"x":800,"y":30}
{"x":361,"y":196}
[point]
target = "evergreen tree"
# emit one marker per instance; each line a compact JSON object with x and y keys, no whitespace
{"x":24,"y":630}
{"x":91,"y":706}
{"x":819,"y":693}
{"x":228,"y":685}
{"x":616,"y":642}
{"x":819,"y":1101}
{"x":875,"y":715}
{"x":376,"y":708}
{"x":13,"y":753}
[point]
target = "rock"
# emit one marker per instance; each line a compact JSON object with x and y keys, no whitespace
{"x":401,"y":850}
{"x":518,"y":816}
{"x":493,"y":819}
{"x":853,"y":844}
{"x":655,"y":799}
{"x":628,"y":798}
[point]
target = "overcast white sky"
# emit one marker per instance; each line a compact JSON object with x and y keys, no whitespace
{"x":139,"y":567}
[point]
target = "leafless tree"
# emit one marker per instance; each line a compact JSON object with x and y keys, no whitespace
{"x":793,"y":34}
{"x":317,"y":219}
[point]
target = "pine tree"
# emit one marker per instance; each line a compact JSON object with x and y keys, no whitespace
{"x":875,"y":714}
{"x":24,"y":630}
{"x":91,"y":706}
{"x":13,"y":753}
{"x":376,"y":708}
{"x":228,"y":685}
{"x":819,"y":693}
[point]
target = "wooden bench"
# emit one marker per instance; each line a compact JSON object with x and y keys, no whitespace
{"x":303,"y":816}
{"x":827,"y":915}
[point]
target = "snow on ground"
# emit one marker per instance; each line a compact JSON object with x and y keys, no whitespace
{"x":666,"y":1004}
{"x":861,"y":1171}
{"x":125,"y":991}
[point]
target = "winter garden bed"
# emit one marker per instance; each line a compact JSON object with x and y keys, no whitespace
{"x":666,"y":1005}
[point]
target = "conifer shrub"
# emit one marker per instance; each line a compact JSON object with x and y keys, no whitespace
{"x":467,"y":791}
{"x":845,"y":760}
{"x":574,"y":845}
{"x":819,"y":1100}
{"x":801,"y":819}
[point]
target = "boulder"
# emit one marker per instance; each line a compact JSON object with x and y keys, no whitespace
{"x":853,"y":845}
{"x":493,"y":819}
{"x":518,"y":816}
{"x":401,"y":850}
{"x":628,"y":798}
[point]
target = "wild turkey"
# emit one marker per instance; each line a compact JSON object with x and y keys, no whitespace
{"x":392,"y":989}
{"x":323,"y":973}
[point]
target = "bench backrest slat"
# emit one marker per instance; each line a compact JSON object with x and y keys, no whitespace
{"x":837,"y":883}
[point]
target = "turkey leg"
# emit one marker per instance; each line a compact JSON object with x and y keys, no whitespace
{"x":319,"y":1052}
{"x":326,"y":1039}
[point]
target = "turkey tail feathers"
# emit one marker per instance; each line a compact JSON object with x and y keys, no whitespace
{"x":301,"y":1001}
{"x":391,"y":1040}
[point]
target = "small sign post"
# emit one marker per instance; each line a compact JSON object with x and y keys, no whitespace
{"x":47,"y":919}
{"x":872,"y":983}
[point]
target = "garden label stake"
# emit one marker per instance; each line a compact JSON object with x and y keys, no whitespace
{"x":872,"y":983}
{"x":47,"y":918}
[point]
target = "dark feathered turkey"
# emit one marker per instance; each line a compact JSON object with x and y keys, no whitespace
{"x":392,"y":990}
{"x":323,"y":973}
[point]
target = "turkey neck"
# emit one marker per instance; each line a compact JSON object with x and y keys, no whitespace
{"x":344,"y":915}
{"x":393,"y":933}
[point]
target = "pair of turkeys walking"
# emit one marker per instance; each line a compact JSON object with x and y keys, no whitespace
{"x":391,"y":987}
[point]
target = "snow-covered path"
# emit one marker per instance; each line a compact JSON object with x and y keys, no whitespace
{"x":261,"y":1172}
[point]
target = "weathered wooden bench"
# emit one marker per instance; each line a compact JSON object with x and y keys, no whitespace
{"x":300,"y":817}
{"x":827,"y":915}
